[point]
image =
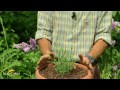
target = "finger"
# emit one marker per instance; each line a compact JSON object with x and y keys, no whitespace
{"x":91,"y":68}
{"x":42,"y":63}
{"x":43,"y":60}
{"x":52,"y":54}
{"x":41,"y":66}
{"x":81,"y":58}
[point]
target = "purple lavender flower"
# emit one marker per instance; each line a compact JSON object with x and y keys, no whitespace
{"x":18,"y":46}
{"x":26,"y":49}
{"x":113,"y":43}
{"x":115,"y":23}
{"x":23,"y":46}
{"x":113,"y":26}
{"x":33,"y":43}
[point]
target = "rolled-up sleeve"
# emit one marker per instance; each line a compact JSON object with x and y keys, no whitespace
{"x":104,"y":26}
{"x":44,"y":25}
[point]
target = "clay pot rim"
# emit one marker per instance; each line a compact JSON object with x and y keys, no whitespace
{"x":88,"y":76}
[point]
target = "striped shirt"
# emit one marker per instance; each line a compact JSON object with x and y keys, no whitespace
{"x":74,"y":31}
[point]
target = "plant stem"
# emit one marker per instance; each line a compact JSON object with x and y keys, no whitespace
{"x":4,"y":32}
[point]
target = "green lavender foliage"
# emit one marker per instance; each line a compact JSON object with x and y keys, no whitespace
{"x":64,"y":62}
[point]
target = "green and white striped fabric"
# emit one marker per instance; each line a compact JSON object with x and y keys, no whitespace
{"x":76,"y":36}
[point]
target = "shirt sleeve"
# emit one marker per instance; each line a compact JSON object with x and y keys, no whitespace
{"x":44,"y":25}
{"x":104,"y":26}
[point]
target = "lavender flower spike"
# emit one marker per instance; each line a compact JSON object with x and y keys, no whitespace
{"x":113,"y":26}
{"x":115,"y":23}
{"x":26,"y":49}
{"x":33,"y":43}
{"x":18,"y":46}
{"x":23,"y":46}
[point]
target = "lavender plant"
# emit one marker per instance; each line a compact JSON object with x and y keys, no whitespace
{"x":64,"y":62}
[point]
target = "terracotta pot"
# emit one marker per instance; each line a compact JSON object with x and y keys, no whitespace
{"x":88,"y":76}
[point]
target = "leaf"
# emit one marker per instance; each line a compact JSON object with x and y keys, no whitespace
{"x":114,"y":13}
{"x":15,"y":63}
{"x":10,"y":56}
{"x":1,"y":42}
{"x":1,"y":77}
{"x":9,"y":51}
{"x":15,"y":76}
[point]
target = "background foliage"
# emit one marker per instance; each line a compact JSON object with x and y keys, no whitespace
{"x":20,"y":26}
{"x":116,"y":15}
{"x":22,"y":22}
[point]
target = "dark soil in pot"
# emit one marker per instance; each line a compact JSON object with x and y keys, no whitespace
{"x":50,"y":73}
